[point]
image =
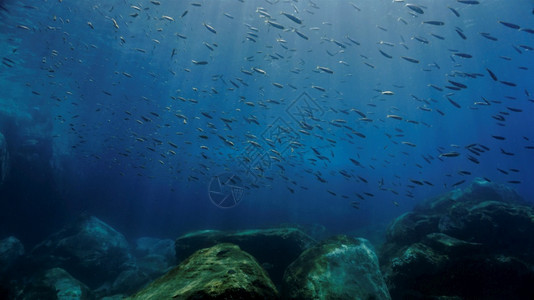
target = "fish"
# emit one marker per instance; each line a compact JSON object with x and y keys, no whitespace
{"x":115,"y":23}
{"x":458,"y":84}
{"x":510,"y":25}
{"x":210,"y":28}
{"x":454,"y":11}
{"x":385,"y":54}
{"x":412,"y":60}
{"x":415,"y":8}
{"x":275,"y":25}
{"x":417,"y":182}
{"x":258,"y":70}
{"x":301,"y":34}
{"x":394,"y":117}
{"x":449,"y":154}
{"x":454,"y":103}
{"x":319,"y":88}
{"x":325,"y":69}
{"x":458,"y":183}
{"x":492,"y":75}
{"x":409,"y":144}
{"x":471,"y":2}
{"x":461,"y":34}
{"x":488,"y":36}
{"x":463,"y":55}
{"x":508,"y":83}
{"x":292,"y":17}
{"x":436,"y":23}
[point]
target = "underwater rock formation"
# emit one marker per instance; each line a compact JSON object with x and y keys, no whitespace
{"x":153,"y":258}
{"x":223,"y":271}
{"x":147,"y":246}
{"x":89,"y":249}
{"x":11,"y":249}
{"x":55,"y":283}
{"x":338,"y":268}
{"x":4,"y":159}
{"x":475,"y":243}
{"x":274,"y":248}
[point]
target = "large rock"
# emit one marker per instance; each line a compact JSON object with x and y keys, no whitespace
{"x":4,"y":159}
{"x":11,"y":249}
{"x":472,"y":243}
{"x":154,"y":246}
{"x":274,"y":248}
{"x":155,"y":256}
{"x":338,"y":268}
{"x":89,"y":249}
{"x":221,"y":272}
{"x":57,"y":284}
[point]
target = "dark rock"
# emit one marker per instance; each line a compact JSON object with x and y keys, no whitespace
{"x":4,"y":159}
{"x":57,"y":284}
{"x":153,"y":265}
{"x":338,"y":268}
{"x":11,"y":249}
{"x":475,"y":243}
{"x":89,"y":249}
{"x":152,"y":246}
{"x":274,"y":248}
{"x":129,"y":281}
{"x":221,"y":272}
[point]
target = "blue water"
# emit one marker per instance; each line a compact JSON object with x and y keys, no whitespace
{"x":118,"y":121}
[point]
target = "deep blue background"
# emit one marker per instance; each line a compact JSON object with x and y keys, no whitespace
{"x":72,"y":96}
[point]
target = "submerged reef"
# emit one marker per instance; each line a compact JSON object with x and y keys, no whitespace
{"x":475,"y":243}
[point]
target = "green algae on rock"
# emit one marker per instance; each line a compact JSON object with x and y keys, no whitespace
{"x":338,"y":268}
{"x":274,"y":248}
{"x":57,"y":284}
{"x":223,"y":271}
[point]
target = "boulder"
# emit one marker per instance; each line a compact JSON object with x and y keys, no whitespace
{"x":147,"y":246}
{"x":471,"y":243}
{"x":153,"y":258}
{"x":341,"y":267}
{"x":274,"y":248}
{"x":223,"y":271}
{"x":89,"y":249}
{"x":57,"y":284}
{"x":11,"y":249}
{"x":4,"y":159}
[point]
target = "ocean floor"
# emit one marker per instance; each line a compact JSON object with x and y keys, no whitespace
{"x":475,"y":243}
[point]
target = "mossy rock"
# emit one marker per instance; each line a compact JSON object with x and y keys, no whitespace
{"x":338,"y":268}
{"x":223,"y":271}
{"x":274,"y":248}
